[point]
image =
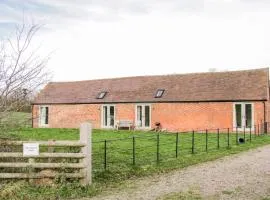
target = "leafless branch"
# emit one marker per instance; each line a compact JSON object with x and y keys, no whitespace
{"x":22,"y":71}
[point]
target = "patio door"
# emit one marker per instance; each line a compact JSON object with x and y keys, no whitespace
{"x":243,"y":116}
{"x":108,"y":116}
{"x":143,"y":116}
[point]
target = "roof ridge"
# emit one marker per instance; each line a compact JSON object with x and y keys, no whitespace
{"x":215,"y":86}
{"x":142,"y":76}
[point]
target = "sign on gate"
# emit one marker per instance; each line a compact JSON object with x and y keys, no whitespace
{"x":30,"y":149}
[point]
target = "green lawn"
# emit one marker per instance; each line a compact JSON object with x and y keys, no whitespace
{"x":137,"y":153}
{"x":126,"y":150}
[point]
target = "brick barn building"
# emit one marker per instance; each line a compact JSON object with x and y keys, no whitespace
{"x":178,"y":102}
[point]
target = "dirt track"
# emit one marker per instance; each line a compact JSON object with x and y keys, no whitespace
{"x":242,"y":176}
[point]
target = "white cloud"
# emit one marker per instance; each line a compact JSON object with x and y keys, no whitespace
{"x":98,"y":38}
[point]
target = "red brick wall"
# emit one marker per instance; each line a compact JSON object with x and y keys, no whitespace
{"x":188,"y":116}
{"x":35,"y":114}
{"x":259,"y":113}
{"x":125,"y":112}
{"x":267,"y":105}
{"x":70,"y":116}
{"x":172,"y":116}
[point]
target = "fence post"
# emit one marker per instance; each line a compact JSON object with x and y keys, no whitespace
{"x":158,"y":148}
{"x":86,"y":137}
{"x":176,"y":145}
{"x":133,"y":151}
{"x":218,"y":138}
{"x":105,"y":154}
{"x":265,"y":127}
{"x":206,"y":140}
{"x":192,"y":147}
{"x":228,"y":132}
{"x":250,"y":134}
{"x":236,"y":136}
{"x":244,"y":133}
{"x":255,"y":130}
{"x":31,"y":169}
{"x":51,"y":148}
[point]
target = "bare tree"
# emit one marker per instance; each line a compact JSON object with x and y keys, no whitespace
{"x":22,"y":70}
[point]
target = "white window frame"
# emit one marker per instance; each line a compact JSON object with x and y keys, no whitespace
{"x":101,"y":95}
{"x":150,"y":116}
{"x":102,"y":118}
{"x":243,"y":111}
{"x":159,"y":93}
{"x":40,"y":116}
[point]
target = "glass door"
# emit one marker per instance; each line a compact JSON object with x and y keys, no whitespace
{"x":143,"y":116}
{"x":108,"y":116}
{"x":44,"y":116}
{"x":243,"y":116}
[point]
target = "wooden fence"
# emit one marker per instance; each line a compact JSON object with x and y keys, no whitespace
{"x":77,"y":164}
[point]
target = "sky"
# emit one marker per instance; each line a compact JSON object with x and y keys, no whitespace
{"x":93,"y":39}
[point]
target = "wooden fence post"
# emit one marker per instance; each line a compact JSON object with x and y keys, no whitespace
{"x":86,"y":137}
{"x":31,"y":170}
{"x":50,"y":148}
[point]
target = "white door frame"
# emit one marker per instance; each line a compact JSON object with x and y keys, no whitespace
{"x":243,"y":113}
{"x":143,"y":116}
{"x":108,"y":115}
{"x":41,"y":124}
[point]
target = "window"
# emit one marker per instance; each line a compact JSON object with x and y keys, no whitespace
{"x":243,"y":116}
{"x":108,"y":116}
{"x":159,"y":93}
{"x":143,"y":116}
{"x":101,"y":95}
{"x":44,"y":115}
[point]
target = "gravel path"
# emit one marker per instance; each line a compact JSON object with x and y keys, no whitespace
{"x":242,"y":176}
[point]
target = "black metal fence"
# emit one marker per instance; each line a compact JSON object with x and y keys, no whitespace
{"x":155,"y":147}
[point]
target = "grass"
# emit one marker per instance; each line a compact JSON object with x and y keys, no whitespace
{"x":120,"y":156}
{"x":14,"y":120}
{"x":124,"y":148}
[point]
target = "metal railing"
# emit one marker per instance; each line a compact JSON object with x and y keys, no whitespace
{"x":156,"y":147}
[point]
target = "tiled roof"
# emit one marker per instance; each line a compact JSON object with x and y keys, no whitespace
{"x":210,"y":86}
